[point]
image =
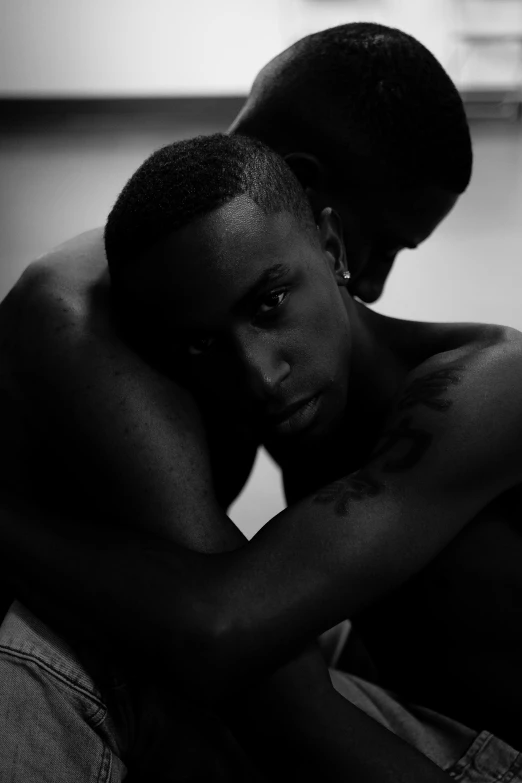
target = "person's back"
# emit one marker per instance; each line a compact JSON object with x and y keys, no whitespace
{"x":36,"y":460}
{"x":46,"y":456}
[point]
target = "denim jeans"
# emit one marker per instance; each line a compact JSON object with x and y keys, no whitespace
{"x":467,"y":756}
{"x":55,"y":725}
{"x":63,"y":721}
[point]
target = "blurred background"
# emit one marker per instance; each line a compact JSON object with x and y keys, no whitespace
{"x":88,"y":88}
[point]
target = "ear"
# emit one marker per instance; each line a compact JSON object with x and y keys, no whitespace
{"x":367,"y":284}
{"x":310,"y":173}
{"x":330,"y":230}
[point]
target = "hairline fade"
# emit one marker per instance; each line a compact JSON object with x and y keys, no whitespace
{"x":188,"y":179}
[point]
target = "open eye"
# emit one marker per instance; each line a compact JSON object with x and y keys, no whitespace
{"x":200,"y":345}
{"x":271,"y":300}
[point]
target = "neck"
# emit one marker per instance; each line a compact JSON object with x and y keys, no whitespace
{"x":380,"y":360}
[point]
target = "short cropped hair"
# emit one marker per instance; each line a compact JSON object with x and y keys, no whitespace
{"x":369,"y":91}
{"x":188,"y":179}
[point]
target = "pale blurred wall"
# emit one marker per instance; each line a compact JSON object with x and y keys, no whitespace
{"x":135,"y":47}
{"x":63,"y":163}
{"x":207,"y":47}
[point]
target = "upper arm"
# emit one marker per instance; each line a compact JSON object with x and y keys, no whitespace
{"x":453,"y":443}
{"x":137,"y":434}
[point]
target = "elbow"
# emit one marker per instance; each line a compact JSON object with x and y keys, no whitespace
{"x":198,"y":651}
{"x":234,"y":661}
{"x":218,"y":662}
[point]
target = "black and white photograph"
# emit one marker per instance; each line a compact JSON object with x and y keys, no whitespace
{"x":261,"y":391}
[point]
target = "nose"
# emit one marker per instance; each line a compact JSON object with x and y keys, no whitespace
{"x":264,"y":367}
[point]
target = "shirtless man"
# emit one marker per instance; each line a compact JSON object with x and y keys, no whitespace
{"x":62,"y":378}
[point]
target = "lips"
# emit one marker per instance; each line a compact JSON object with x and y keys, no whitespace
{"x":293,"y":418}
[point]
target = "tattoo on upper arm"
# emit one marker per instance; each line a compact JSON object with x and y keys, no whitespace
{"x":415,"y":441}
{"x":353,"y":487}
{"x":428,"y":390}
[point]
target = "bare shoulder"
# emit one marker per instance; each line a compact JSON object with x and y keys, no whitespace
{"x":41,"y":319}
{"x":81,"y":258}
{"x":486,"y":350}
{"x":66,"y":275}
{"x":59,"y":296}
{"x":468,"y":399}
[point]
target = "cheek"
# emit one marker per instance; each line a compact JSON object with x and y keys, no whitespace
{"x":326,"y":334}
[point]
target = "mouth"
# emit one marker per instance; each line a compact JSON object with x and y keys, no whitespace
{"x":294,"y":418}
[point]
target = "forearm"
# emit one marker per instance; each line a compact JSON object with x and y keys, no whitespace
{"x":139,"y":596}
{"x":146,"y":598}
{"x":143,"y":596}
{"x":121,"y":592}
{"x":97,"y":584}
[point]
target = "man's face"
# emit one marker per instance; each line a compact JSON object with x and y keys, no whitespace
{"x":380,"y":220}
{"x":252,"y":307}
{"x":380,"y":217}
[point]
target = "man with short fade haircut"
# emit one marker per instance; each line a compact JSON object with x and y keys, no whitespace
{"x":137,"y":450}
{"x":373,"y":126}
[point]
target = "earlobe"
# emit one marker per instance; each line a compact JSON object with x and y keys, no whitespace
{"x":331,"y":238}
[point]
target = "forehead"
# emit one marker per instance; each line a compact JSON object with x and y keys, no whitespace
{"x":206,"y":268}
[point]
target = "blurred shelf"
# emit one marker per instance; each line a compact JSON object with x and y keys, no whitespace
{"x":482,"y":39}
{"x":103,"y":113}
{"x":498,"y":103}
{"x":481,"y":103}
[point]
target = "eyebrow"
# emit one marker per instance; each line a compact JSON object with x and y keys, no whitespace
{"x":267,"y":277}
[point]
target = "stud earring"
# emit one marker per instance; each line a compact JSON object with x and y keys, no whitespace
{"x":346,"y":275}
